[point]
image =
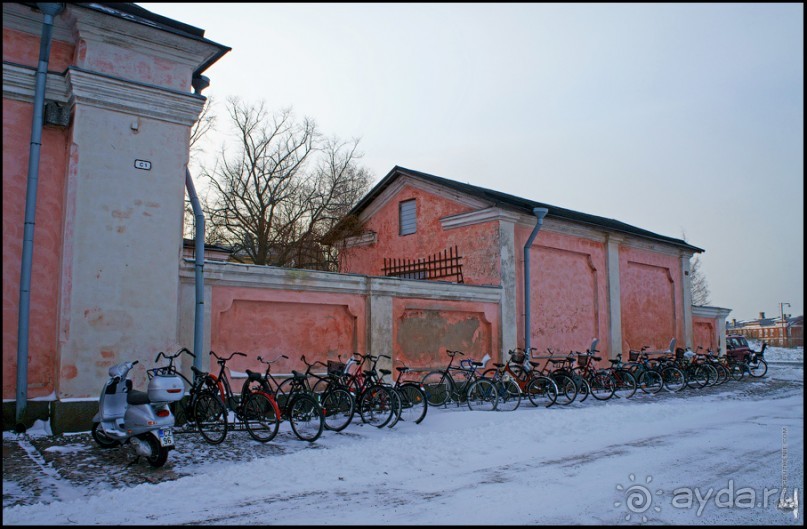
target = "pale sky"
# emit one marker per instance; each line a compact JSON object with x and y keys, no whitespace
{"x":682,"y":119}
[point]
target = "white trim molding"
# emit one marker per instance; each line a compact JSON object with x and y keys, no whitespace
{"x":19,"y":83}
{"x":128,"y":97}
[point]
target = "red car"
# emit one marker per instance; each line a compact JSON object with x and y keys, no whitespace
{"x":737,"y":347}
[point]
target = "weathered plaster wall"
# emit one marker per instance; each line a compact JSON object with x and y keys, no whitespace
{"x":568,"y":298}
{"x":271,"y":311}
{"x":424,"y":330}
{"x":652,"y":308}
{"x":271,"y":322}
{"x":23,"y":48}
{"x":704,"y":334}
{"x":478,"y":244}
{"x":46,"y":270}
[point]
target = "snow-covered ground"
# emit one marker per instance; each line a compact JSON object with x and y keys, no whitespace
{"x":714,"y":456}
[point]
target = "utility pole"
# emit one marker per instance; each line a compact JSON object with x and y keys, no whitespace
{"x":784,"y":325}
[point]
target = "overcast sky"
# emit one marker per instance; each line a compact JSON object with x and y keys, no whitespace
{"x":682,"y":119}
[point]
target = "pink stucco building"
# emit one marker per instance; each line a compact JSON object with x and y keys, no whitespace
{"x":590,"y":277}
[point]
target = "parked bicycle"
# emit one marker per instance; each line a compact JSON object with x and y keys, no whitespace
{"x":441,"y":387}
{"x":539,"y":389}
{"x":183,"y":409}
{"x":213,"y":411}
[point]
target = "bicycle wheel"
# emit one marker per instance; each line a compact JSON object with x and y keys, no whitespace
{"x":211,"y":417}
{"x":697,"y":377}
{"x":757,"y":368}
{"x":602,"y":385}
{"x":625,"y":383}
{"x":722,"y":373}
{"x":397,"y":406}
{"x":482,"y":395}
{"x":542,"y":390}
{"x":509,"y":395}
{"x":339,"y":407}
{"x":650,"y":381}
{"x":567,"y":389}
{"x":261,"y":417}
{"x":673,"y":378}
{"x":283,"y":393}
{"x":414,"y":404}
{"x":437,"y":386}
{"x":737,"y":370}
{"x":376,"y":406}
{"x":305,"y":416}
{"x":712,"y":372}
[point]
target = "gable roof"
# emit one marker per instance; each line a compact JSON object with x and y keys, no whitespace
{"x":518,"y":204}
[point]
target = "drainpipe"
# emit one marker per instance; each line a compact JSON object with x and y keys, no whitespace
{"x":199,"y":314}
{"x":50,"y":10}
{"x":540,"y":213}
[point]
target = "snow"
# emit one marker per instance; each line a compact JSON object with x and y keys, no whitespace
{"x":582,"y":464}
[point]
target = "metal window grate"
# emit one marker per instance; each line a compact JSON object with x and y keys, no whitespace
{"x":445,"y":264}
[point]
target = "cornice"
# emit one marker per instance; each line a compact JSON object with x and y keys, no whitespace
{"x":477,"y":217}
{"x":19,"y":83}
{"x":148,"y":101}
{"x":709,"y":312}
{"x":242,"y":275}
{"x":365,"y":239}
{"x":25,"y":20}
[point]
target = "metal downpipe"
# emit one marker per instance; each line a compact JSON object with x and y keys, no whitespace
{"x":199,"y":313}
{"x":50,"y":10}
{"x":540,"y":213}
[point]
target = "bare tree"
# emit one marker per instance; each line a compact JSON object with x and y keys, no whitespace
{"x":280,"y":191}
{"x":698,"y":284}
{"x":204,"y":124}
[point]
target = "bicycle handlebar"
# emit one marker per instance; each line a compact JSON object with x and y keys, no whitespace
{"x":452,"y":353}
{"x":222,"y":359}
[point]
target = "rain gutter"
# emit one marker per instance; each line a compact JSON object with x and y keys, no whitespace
{"x":50,"y":10}
{"x":540,"y":213}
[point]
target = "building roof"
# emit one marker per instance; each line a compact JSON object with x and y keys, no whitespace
{"x":519,"y":204}
{"x":135,"y":13}
{"x":792,"y":321}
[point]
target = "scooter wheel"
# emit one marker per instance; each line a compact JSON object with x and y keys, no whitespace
{"x":159,"y":453}
{"x":101,"y":438}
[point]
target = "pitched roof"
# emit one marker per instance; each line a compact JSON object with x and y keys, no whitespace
{"x":519,"y":204}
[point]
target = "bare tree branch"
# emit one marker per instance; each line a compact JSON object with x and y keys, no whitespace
{"x":280,"y":191}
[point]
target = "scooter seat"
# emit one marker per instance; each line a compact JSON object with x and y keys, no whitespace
{"x":137,"y":397}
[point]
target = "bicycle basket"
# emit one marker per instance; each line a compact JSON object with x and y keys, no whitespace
{"x":517,"y":357}
{"x":336,"y":368}
{"x":633,"y":356}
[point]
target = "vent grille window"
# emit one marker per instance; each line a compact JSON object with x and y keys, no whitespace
{"x":408,"y":220}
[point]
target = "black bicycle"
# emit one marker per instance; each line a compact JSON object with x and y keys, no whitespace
{"x":478,"y":392}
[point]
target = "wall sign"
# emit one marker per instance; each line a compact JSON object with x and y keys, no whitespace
{"x":143,"y":164}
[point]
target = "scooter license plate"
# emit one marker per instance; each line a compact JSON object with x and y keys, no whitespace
{"x":166,"y":437}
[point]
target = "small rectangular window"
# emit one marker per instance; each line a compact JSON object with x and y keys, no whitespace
{"x":407,"y":217}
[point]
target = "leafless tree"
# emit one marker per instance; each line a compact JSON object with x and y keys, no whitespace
{"x":698,"y":284}
{"x":204,"y":124}
{"x":277,"y":194}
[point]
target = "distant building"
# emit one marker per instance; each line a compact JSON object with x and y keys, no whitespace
{"x":775,"y":331}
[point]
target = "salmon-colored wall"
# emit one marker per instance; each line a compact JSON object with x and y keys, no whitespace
{"x":569,"y":296}
{"x":423,"y":330}
{"x":704,"y":334}
{"x":478,"y":244}
{"x":652,"y":308}
{"x":271,"y":322}
{"x":23,"y":48}
{"x":46,"y":268}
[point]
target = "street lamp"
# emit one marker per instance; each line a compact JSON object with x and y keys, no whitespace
{"x":784,"y":326}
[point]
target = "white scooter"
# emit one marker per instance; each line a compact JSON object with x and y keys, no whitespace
{"x":144,"y":420}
